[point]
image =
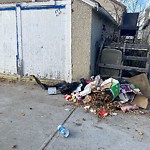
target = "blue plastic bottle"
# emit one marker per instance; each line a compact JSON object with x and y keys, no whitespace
{"x":63,"y":131}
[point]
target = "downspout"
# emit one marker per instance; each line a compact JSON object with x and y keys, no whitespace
{"x":19,"y":56}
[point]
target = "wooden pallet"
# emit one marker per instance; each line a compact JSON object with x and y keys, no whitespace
{"x":130,"y":48}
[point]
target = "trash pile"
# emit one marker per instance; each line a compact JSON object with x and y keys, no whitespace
{"x":105,"y":97}
{"x":101,"y":97}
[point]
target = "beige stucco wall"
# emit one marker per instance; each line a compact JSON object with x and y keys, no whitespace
{"x":81,"y":38}
{"x":87,"y":33}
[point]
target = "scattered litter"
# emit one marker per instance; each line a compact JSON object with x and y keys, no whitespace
{"x":103,"y":113}
{"x":139,"y":132}
{"x":64,"y":132}
{"x":85,"y":92}
{"x":114,"y":114}
{"x":22,"y":114}
{"x":103,"y":97}
{"x":141,"y":101}
{"x":68,"y":97}
{"x":128,"y":88}
{"x":43,"y":86}
{"x":97,"y":127}
{"x":127,"y":94}
{"x":78,"y":124}
{"x":113,"y":85}
{"x":52,"y":91}
{"x":123,"y":97}
{"x":88,"y":98}
{"x":142,"y":82}
{"x":64,"y":87}
{"x":67,"y":109}
{"x":97,"y":80}
{"x":83,"y":119}
{"x":78,"y":89}
{"x":14,"y":146}
{"x":84,"y":83}
{"x":129,"y":108}
{"x":92,"y":110}
{"x":101,"y":148}
{"x":142,"y":112}
{"x":86,"y":107}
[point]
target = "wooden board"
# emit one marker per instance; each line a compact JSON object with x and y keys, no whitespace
{"x":123,"y":67}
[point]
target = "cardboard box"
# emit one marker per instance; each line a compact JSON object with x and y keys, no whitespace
{"x":141,"y":101}
{"x":142,"y":82}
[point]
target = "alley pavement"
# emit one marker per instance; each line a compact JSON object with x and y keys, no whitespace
{"x":29,"y":118}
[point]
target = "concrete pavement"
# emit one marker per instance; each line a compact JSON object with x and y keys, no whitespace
{"x":28,"y":115}
{"x":120,"y":132}
{"x":29,"y":118}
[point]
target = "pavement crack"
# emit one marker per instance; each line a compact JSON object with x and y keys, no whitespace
{"x":50,"y":138}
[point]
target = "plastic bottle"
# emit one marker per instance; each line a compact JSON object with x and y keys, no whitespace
{"x":63,"y":131}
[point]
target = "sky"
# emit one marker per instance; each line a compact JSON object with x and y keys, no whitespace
{"x":141,"y":5}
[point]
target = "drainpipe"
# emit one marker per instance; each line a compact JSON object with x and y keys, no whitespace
{"x":19,"y":57}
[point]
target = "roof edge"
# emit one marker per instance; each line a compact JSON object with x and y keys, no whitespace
{"x":95,"y":5}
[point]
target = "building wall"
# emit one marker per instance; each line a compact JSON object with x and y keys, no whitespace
{"x":146,"y":35}
{"x":63,"y":46}
{"x":89,"y":27}
{"x":13,"y":1}
{"x":81,"y":39}
{"x":96,"y":36}
{"x":148,"y":41}
{"x":8,"y":46}
{"x":101,"y":29}
{"x":20,"y":1}
{"x":37,"y":39}
{"x":146,"y":30}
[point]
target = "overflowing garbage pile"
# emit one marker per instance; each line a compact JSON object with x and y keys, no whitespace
{"x":105,"y":97}
{"x":101,"y":97}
